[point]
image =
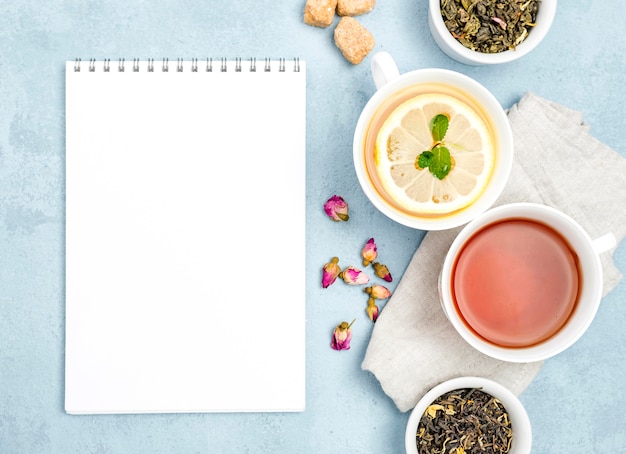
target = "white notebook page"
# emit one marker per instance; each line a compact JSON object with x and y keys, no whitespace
{"x":185,"y":237}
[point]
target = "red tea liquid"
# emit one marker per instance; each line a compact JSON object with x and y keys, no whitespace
{"x":515,"y":282}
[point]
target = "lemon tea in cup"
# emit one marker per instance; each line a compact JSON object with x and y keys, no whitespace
{"x":432,"y":148}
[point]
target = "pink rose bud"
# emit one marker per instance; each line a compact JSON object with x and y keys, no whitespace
{"x":500,"y":22}
{"x":337,"y":208}
{"x":382,"y":271}
{"x":354,"y":276}
{"x":330,"y":272}
{"x":372,"y":310}
{"x":342,"y":335}
{"x":369,"y":252}
{"x":378,"y":292}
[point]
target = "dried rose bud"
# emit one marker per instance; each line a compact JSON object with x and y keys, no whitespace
{"x":372,"y":310}
{"x":330,"y":272}
{"x":369,"y":252}
{"x":378,"y":292}
{"x":382,"y":271}
{"x":342,"y":335}
{"x":337,"y":208}
{"x":354,"y":276}
{"x":500,"y":22}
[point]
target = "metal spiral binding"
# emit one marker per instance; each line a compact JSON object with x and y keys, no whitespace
{"x":223,"y":65}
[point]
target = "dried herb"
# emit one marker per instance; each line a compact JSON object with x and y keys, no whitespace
{"x":490,"y":26}
{"x":382,"y":271}
{"x":336,"y":208}
{"x":330,"y":272}
{"x":464,"y":421}
{"x":342,"y":336}
{"x":354,"y":276}
{"x":372,"y":310}
{"x":369,"y":252}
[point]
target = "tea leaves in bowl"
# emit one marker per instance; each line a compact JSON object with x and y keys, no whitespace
{"x":464,"y":421}
{"x":489,"y":26}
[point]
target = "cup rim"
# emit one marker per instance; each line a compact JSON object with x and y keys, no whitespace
{"x":502,"y":131}
{"x":456,"y":50}
{"x":583,"y":316}
{"x":522,"y":435}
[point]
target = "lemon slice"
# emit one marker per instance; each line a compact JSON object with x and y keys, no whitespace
{"x":406,"y":133}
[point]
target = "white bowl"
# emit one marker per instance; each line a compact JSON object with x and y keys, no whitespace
{"x":520,"y":423}
{"x":457,"y":51}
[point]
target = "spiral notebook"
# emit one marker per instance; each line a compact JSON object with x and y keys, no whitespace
{"x":185,"y":236}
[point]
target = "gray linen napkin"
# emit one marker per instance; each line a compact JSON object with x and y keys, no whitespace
{"x":413,"y":347}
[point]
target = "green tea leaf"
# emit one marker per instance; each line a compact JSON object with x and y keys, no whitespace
{"x":440,"y":164}
{"x":439,"y":127}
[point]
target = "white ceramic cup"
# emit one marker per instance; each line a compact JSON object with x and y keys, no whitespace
{"x":589,"y":269}
{"x":389,"y":82}
{"x":454,"y":49}
{"x":520,"y":423}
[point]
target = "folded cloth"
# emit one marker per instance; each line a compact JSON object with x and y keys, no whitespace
{"x":413,"y":346}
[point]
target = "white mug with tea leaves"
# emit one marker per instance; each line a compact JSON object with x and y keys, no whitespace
{"x":432,"y":148}
{"x":522,"y":282}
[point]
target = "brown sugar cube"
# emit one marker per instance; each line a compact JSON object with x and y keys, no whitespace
{"x":353,"y":40}
{"x":319,"y":13}
{"x":354,"y":7}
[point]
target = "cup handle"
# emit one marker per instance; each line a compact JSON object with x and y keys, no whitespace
{"x":604,"y":243}
{"x":384,"y":69}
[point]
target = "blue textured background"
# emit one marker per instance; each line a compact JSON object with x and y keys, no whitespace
{"x":577,"y":402}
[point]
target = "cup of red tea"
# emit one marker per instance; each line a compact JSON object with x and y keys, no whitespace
{"x":522,"y":282}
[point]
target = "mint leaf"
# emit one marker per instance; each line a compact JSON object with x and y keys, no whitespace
{"x":438,"y":161}
{"x":441,"y":163}
{"x":439,"y":127}
{"x":423,"y":160}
